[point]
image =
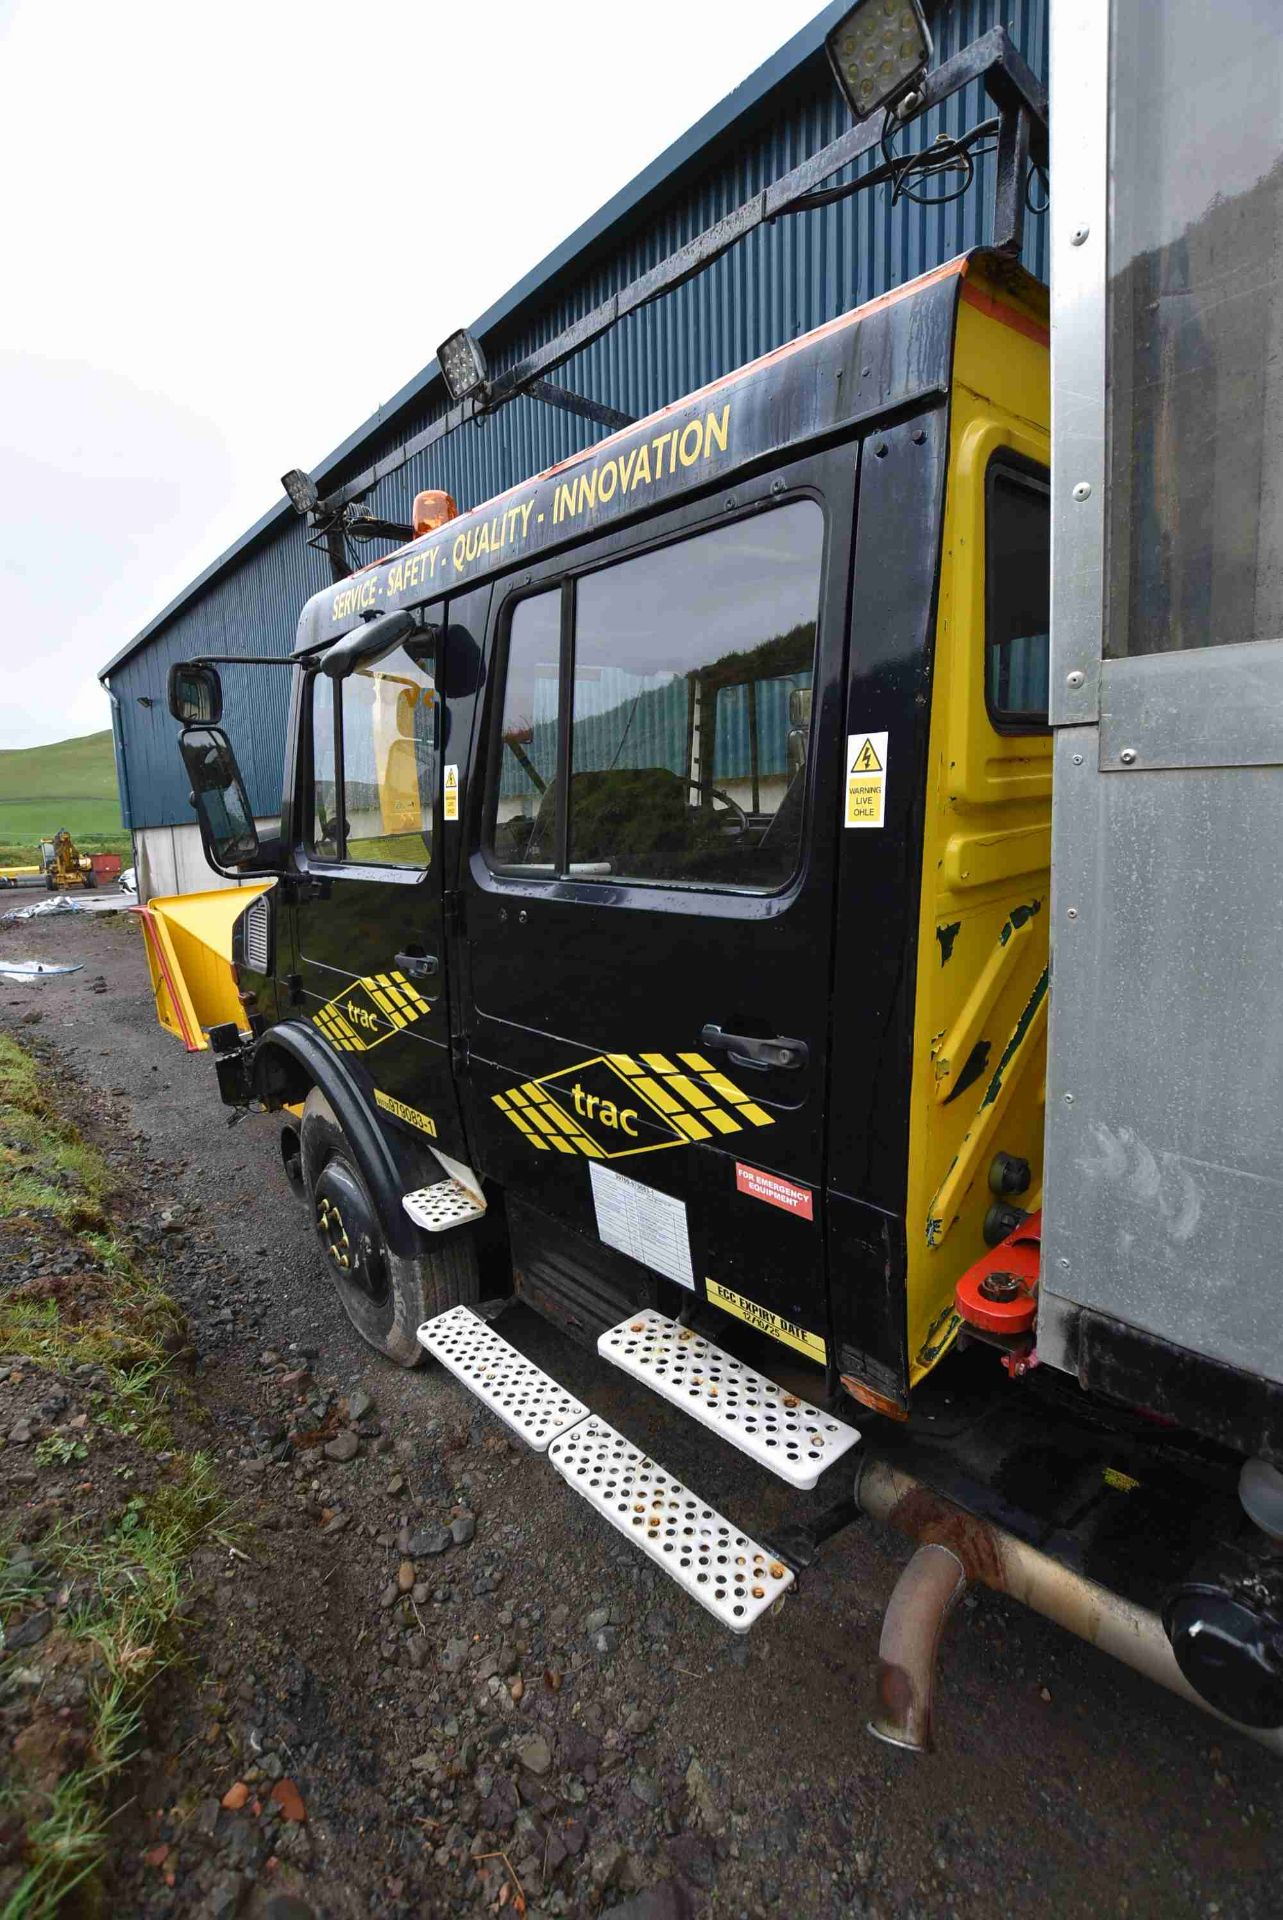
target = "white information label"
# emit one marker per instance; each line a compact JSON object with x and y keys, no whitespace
{"x":452,"y":793}
{"x":649,"y":1226}
{"x":866,"y":779}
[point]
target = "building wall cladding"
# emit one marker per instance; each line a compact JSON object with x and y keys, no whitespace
{"x":777,"y":283}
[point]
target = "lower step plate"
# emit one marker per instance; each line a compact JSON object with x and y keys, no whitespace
{"x":720,"y":1567}
{"x":446,"y":1203}
{"x":525,"y":1397}
{"x":796,"y":1442}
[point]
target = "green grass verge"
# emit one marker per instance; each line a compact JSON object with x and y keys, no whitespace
{"x":70,"y":783}
{"x":129,"y":1563}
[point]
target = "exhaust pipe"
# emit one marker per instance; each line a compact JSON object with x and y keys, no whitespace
{"x":963,"y":1548}
{"x":924,"y":1597}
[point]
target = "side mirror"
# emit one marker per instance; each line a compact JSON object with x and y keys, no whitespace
{"x":218,"y":794}
{"x":195,"y":694}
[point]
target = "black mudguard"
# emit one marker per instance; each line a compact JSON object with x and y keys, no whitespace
{"x":293,"y":1057}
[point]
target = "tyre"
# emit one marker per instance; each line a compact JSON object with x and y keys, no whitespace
{"x":385,"y":1295}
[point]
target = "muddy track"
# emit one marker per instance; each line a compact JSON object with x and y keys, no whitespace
{"x":533,"y":1690}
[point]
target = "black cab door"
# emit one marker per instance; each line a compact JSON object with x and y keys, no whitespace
{"x":368,"y":928}
{"x":648,"y":905}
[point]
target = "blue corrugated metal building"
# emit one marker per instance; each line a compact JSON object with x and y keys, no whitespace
{"x":777,"y":283}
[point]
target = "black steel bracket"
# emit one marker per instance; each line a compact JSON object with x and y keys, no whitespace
{"x":597,"y":411}
{"x":799,"y":1546}
{"x":1011,"y":84}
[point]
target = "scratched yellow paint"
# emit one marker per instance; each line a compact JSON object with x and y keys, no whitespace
{"x":986,"y":851}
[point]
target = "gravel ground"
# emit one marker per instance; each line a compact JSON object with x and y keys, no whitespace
{"x":485,"y":1700}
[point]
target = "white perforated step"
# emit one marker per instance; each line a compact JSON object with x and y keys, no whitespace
{"x":794,"y":1440}
{"x":446,"y":1203}
{"x":525,"y":1397}
{"x":720,"y":1567}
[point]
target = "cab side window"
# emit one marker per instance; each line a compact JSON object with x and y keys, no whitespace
{"x":1017,"y":596}
{"x":524,"y":807}
{"x":687,"y":706}
{"x":379,"y":813}
{"x":323,"y":841}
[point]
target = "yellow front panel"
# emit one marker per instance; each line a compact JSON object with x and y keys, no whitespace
{"x":980,"y":1013}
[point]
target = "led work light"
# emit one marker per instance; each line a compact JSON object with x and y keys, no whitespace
{"x":463,"y":366}
{"x":878,"y":53}
{"x":301,"y":488}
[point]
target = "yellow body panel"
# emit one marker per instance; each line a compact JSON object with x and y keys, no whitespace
{"x":980,"y":1006}
{"x":189,"y":956}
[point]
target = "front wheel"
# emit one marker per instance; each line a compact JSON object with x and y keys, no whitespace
{"x":385,"y":1295}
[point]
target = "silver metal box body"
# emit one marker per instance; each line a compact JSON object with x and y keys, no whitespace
{"x":1164,"y":1170}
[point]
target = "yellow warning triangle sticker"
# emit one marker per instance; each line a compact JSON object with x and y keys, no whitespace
{"x":451,"y":777}
{"x":866,"y":760}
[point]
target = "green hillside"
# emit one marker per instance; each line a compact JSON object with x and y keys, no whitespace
{"x":71,"y":784}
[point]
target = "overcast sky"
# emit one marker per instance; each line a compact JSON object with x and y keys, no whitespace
{"x":191,"y":196}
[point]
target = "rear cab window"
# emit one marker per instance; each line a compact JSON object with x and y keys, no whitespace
{"x":1017,"y":594}
{"x":656,"y":713}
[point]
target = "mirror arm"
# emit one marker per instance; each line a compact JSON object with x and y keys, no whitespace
{"x":373,"y":636}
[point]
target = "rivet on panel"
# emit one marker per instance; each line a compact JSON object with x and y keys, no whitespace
{"x":1076,"y":678}
{"x":1127,"y":755}
{"x":1071,"y":913}
{"x":1077,"y":759}
{"x":1078,"y":235}
{"x":1069,"y":1099}
{"x":1083,"y":490}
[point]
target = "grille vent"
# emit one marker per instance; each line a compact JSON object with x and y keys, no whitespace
{"x":256,"y":932}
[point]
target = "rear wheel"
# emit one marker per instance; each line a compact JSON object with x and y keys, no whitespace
{"x":385,"y":1295}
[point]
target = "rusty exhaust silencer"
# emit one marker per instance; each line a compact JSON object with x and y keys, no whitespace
{"x":955,"y":1547}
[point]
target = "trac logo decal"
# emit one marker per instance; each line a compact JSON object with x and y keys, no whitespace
{"x":370,"y":1011}
{"x":613,"y":1106}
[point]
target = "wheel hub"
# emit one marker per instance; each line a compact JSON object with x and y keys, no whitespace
{"x":349,"y":1231}
{"x":329,"y":1219}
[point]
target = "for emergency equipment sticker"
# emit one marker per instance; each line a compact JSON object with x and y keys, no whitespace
{"x":776,"y":1192}
{"x":766,"y":1322}
{"x":648,"y":1226}
{"x":452,"y":793}
{"x":866,"y":779}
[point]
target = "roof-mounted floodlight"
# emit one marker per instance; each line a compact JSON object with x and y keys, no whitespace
{"x":463,"y":366}
{"x":879,"y":53}
{"x":301,"y":488}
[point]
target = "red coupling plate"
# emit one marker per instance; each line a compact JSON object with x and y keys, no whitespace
{"x":1000,"y":1293}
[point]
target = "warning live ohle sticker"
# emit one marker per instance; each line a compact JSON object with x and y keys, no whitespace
{"x":452,"y":793}
{"x":776,"y":1192}
{"x":866,"y":779}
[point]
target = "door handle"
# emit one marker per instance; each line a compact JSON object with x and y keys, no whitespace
{"x":745,"y":1050}
{"x":418,"y":966}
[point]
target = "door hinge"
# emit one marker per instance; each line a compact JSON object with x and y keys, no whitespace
{"x":294,"y":988}
{"x":452,"y":905}
{"x":460,"y":1053}
{"x":297,"y":889}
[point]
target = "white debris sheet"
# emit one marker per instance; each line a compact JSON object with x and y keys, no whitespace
{"x":69,"y":903}
{"x":25,"y":971}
